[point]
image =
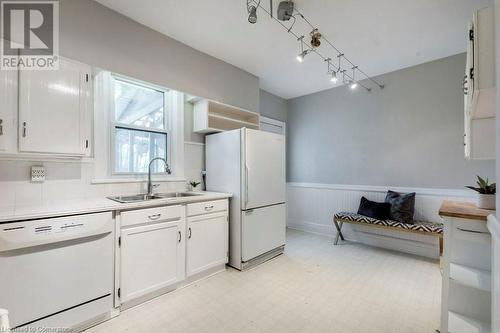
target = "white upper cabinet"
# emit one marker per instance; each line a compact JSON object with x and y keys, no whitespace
{"x":8,"y":111}
{"x":55,"y":110}
{"x":479,"y":87}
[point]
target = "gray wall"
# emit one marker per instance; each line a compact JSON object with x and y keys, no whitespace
{"x":272,"y":106}
{"x":497,"y":41}
{"x":409,"y":134}
{"x":96,"y":35}
{"x":189,"y":135}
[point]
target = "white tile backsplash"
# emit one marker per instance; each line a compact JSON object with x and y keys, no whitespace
{"x":65,"y":181}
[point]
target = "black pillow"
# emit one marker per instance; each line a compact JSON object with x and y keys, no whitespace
{"x":377,"y":210}
{"x":402,"y":206}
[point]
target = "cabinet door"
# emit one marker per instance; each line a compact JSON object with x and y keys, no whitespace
{"x":8,"y":110}
{"x":148,"y":259}
{"x":469,"y":68}
{"x":54,"y":109}
{"x":207,"y":242}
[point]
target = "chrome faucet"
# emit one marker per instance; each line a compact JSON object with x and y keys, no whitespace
{"x":167,"y":170}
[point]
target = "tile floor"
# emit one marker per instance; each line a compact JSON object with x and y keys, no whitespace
{"x":313,"y":287}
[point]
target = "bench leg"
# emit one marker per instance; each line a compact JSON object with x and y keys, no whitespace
{"x":339,"y":231}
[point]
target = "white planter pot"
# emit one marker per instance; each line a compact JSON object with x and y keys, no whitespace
{"x":486,"y":201}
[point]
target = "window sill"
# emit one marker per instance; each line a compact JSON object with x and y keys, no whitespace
{"x":135,"y":180}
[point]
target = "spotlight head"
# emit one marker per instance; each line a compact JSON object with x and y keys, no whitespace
{"x":252,"y":14}
{"x":353,"y":85}
{"x":334,"y":78}
{"x":285,"y":10}
{"x":302,"y":55}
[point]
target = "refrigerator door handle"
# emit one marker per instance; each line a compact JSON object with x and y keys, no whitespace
{"x":246,"y":186}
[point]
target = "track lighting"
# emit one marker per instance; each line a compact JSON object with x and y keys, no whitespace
{"x":252,"y":14}
{"x":285,"y":10}
{"x":302,"y":55}
{"x":334,"y":78}
{"x":336,"y":72}
{"x":303,"y":52}
{"x":315,"y":38}
{"x":252,"y":11}
{"x":353,"y":84}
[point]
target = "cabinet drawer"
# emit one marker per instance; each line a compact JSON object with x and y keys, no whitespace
{"x":156,"y":214}
{"x":471,"y":231}
{"x":206,"y":207}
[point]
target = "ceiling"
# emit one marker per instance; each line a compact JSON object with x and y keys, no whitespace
{"x":378,"y":36}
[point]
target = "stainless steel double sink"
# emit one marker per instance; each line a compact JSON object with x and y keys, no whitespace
{"x":146,"y":197}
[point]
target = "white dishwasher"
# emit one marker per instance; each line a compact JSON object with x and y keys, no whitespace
{"x":57,"y":272}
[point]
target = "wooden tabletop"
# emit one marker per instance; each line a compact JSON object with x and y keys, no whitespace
{"x":464,"y":210}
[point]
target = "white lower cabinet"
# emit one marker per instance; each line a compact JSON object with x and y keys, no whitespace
{"x":148,"y":259}
{"x":150,"y":249}
{"x":159,"y":248}
{"x":207,"y":242}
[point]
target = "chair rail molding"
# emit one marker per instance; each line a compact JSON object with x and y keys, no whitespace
{"x":311,"y":206}
{"x":377,"y":188}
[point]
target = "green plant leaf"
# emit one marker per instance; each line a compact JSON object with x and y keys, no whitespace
{"x":481,"y":182}
{"x":477,"y":189}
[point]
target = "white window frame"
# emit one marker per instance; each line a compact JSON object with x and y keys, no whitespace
{"x":104,"y":132}
{"x":167,"y":110}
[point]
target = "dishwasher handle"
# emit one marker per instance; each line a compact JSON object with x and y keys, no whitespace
{"x":19,"y":235}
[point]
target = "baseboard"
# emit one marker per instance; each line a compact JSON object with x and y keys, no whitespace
{"x":427,"y":246}
{"x":314,"y":228}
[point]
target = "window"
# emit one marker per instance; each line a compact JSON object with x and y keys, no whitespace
{"x":140,"y":124}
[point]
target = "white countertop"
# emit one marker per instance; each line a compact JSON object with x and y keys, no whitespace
{"x":94,"y":205}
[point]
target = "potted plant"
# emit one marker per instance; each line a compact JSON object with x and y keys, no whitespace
{"x":486,"y":193}
{"x":193,"y":185}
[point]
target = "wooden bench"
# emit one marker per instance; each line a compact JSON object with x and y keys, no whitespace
{"x":428,"y":228}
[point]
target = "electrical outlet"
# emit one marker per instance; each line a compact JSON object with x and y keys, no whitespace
{"x":38,"y":174}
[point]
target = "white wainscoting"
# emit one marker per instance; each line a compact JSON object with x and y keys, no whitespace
{"x":311,"y":206}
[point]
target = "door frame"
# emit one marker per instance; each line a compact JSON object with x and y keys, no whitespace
{"x":273,"y":122}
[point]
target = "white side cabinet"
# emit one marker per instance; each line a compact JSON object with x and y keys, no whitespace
{"x":151,"y":248}
{"x":494,"y":228}
{"x":207,"y":236}
{"x":8,"y":111}
{"x":466,"y":264}
{"x":479,"y":87}
{"x":55,"y":110}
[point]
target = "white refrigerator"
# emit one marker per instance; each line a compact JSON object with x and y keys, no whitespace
{"x":250,"y":164}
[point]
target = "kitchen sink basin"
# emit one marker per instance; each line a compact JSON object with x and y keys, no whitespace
{"x":176,"y":195}
{"x":146,"y":197}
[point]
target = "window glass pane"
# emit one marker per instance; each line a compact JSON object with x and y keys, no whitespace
{"x":134,"y":149}
{"x":139,"y":106}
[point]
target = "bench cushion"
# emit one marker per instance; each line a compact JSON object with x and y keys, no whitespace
{"x":436,"y":228}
